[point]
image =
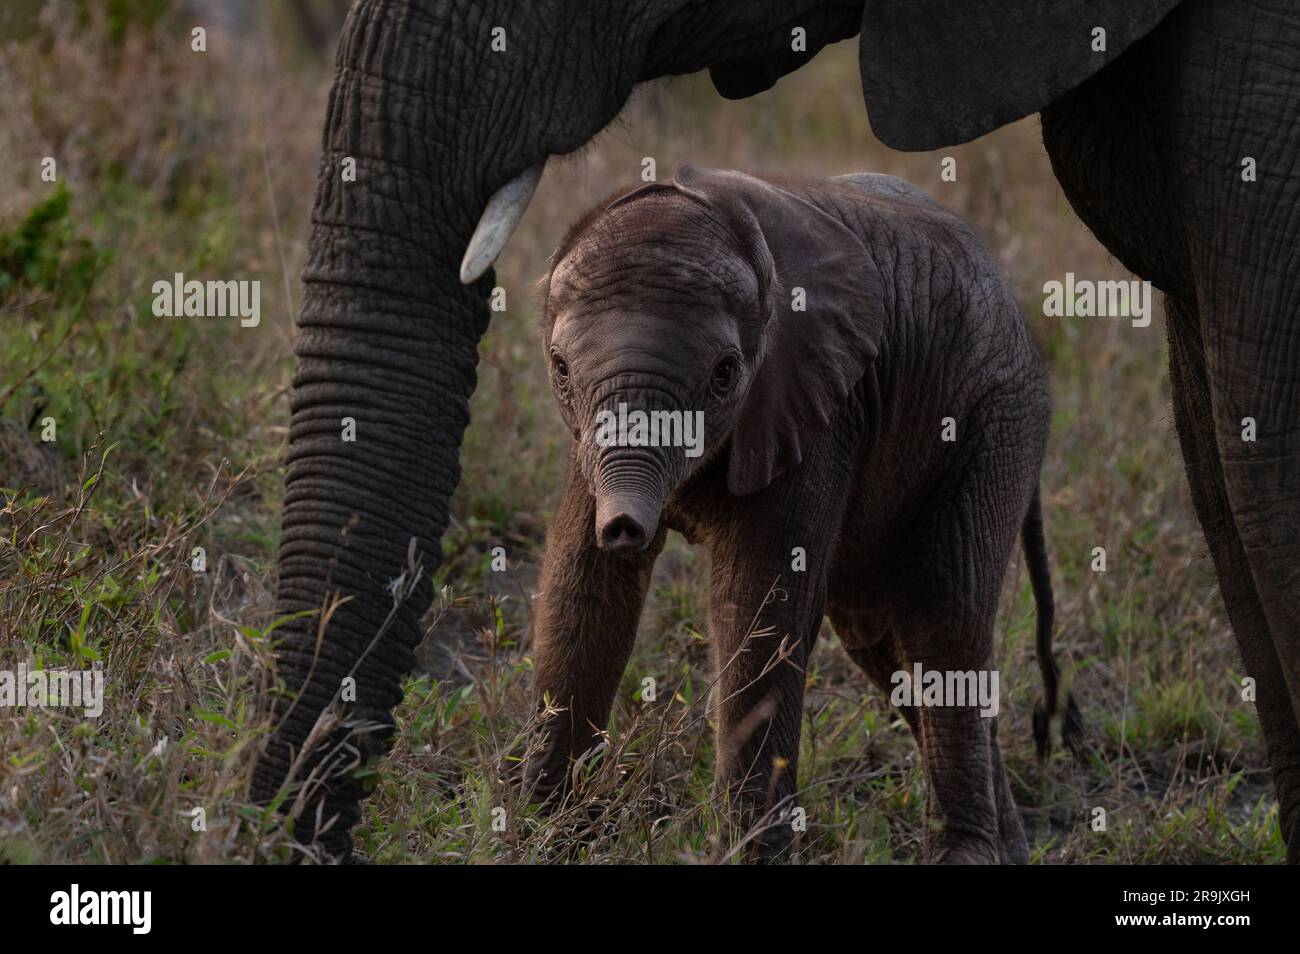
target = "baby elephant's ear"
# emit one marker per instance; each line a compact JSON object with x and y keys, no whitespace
{"x":826,"y":305}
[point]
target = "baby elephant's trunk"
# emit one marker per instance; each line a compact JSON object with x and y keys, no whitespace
{"x":631,"y":487}
{"x":639,"y":459}
{"x":1052,"y":711}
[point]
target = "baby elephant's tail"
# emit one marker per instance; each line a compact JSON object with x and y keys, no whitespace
{"x":1050,"y":711}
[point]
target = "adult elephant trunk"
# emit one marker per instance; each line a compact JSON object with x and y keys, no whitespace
{"x":386,"y":357}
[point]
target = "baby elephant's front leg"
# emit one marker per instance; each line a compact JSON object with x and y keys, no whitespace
{"x":584,"y":627}
{"x":763,"y":619}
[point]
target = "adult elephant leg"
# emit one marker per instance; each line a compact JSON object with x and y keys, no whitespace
{"x":1194,"y":419}
{"x":1242,"y":220}
{"x":1248,"y":497}
{"x":1163,"y":183}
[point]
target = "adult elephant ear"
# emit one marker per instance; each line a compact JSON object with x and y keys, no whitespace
{"x":936,"y":73}
{"x":824,"y":301}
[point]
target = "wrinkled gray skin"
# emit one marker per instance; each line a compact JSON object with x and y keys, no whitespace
{"x":1146,"y":137}
{"x":823,"y":431}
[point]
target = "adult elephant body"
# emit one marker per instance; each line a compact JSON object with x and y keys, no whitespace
{"x":443,"y":103}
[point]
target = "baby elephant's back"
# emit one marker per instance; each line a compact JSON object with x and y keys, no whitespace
{"x":944,"y":228}
{"x":941,"y":223}
{"x":1017,"y":367}
{"x":890,"y":187}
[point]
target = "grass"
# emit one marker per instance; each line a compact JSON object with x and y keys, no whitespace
{"x":168,"y":435}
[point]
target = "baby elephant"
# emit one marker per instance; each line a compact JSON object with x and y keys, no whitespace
{"x":827,"y":384}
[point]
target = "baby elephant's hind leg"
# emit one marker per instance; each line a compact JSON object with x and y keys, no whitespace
{"x":881,"y":661}
{"x":961,"y":800}
{"x":950,"y":580}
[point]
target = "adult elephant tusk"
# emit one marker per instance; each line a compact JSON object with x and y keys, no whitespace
{"x":500,"y":216}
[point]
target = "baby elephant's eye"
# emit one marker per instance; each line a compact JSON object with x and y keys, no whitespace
{"x":724,"y":375}
{"x":561,"y":367}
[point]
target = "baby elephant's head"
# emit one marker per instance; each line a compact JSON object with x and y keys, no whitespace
{"x":714,"y":311}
